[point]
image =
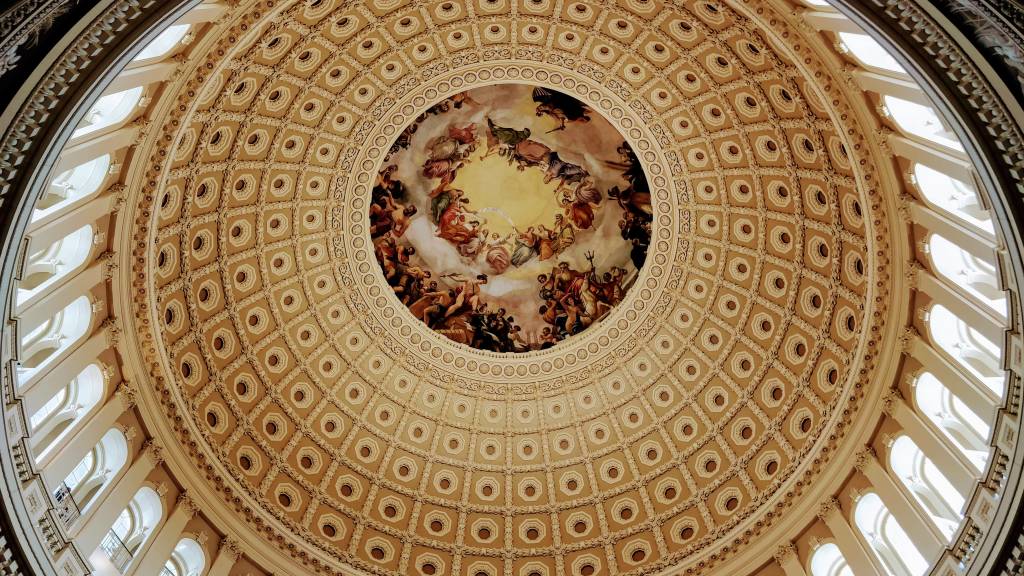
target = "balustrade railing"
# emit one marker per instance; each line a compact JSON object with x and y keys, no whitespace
{"x":67,"y":509}
{"x":115,"y":549}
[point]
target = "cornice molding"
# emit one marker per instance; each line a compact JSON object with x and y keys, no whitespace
{"x":22,"y":25}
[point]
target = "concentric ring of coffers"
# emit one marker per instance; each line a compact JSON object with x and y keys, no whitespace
{"x":406,"y":453}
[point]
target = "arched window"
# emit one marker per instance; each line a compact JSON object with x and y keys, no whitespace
{"x":58,"y":401}
{"x":964,"y":269}
{"x":869,"y":52}
{"x":85,"y":469}
{"x":920,"y":121}
{"x":827,"y":560}
{"x":188,"y":559}
{"x":95,"y":470}
{"x":967,"y":346}
{"x":927,"y":484}
{"x":47,"y":265}
{"x":964,"y":429}
{"x":69,"y":406}
{"x":887,"y":539}
{"x":133,"y":527}
{"x":71,"y":185}
{"x":164,"y":43}
{"x":44,"y":342}
{"x":951,"y":195}
{"x":108,"y":110}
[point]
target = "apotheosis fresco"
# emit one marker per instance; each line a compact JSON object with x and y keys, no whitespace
{"x":510,"y":217}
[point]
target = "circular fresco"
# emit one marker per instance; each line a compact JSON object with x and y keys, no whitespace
{"x":510,"y":217}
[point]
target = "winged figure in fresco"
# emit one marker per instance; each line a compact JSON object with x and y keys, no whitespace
{"x":562,"y":107}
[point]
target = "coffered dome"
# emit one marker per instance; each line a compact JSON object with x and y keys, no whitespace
{"x":516,"y":287}
{"x":709,"y":400}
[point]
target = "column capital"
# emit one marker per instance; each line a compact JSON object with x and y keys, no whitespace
{"x":785,"y":552}
{"x":109,"y":261}
{"x":143,"y":124}
{"x":882,"y":139}
{"x":909,"y":333}
{"x":125,"y":393}
{"x":186,"y":503}
{"x":903,"y":207}
{"x":828,"y":507}
{"x":913,"y":271}
{"x":231,"y":548}
{"x":890,"y":400}
{"x":865,"y":457}
{"x":178,"y":59}
{"x":112,"y":331}
{"x":119,"y":193}
{"x":154,"y":451}
{"x":130,"y":432}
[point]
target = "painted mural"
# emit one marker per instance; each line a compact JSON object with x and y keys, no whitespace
{"x":511,"y":217}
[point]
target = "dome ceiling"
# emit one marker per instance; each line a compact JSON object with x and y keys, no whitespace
{"x":345,"y":430}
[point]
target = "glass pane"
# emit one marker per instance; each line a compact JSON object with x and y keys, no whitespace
{"x":887,"y":538}
{"x":965,"y":344}
{"x":81,"y":471}
{"x":109,"y":110}
{"x":869,"y":52}
{"x":51,"y":405}
{"x":72,"y":184}
{"x":122,"y":525}
{"x":828,"y":561}
{"x":163,"y":43}
{"x":920,"y":121}
{"x":190,"y":556}
{"x":52,"y":263}
{"x":926,"y":483}
{"x":954,"y":419}
{"x":965,"y":269}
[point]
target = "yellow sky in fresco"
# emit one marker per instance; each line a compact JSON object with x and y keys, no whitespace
{"x":503,"y":196}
